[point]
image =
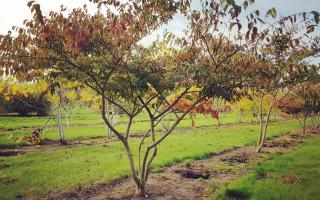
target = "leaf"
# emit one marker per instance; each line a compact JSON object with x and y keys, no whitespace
{"x":231,"y":25}
{"x":29,"y":4}
{"x":231,"y":2}
{"x":247,"y":35}
{"x":239,"y":26}
{"x":245,"y":4}
{"x":257,"y":13}
{"x":291,"y":20}
{"x":253,"y":37}
{"x":316,"y":16}
{"x":272,"y":12}
{"x":135,"y":5}
{"x":291,"y":44}
{"x":255,"y":30}
{"x":310,"y":29}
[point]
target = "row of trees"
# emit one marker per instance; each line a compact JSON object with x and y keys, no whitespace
{"x":57,"y":101}
{"x":220,"y":56}
{"x":24,"y":98}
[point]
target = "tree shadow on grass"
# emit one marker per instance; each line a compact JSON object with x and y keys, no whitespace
{"x":237,"y":194}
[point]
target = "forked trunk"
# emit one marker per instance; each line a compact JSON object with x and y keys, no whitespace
{"x":140,"y":176}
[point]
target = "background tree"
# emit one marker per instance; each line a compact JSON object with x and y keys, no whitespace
{"x":260,"y":52}
{"x":303,"y":105}
{"x":205,"y":107}
{"x":25,"y":98}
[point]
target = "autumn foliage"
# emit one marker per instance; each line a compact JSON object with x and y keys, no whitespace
{"x":205,"y":107}
{"x":103,"y":52}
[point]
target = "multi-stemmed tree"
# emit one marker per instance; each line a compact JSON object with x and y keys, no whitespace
{"x":102,"y":51}
{"x":267,"y":55}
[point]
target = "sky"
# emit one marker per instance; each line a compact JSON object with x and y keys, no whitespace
{"x":13,"y":12}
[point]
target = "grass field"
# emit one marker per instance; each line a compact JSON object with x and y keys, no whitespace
{"x":85,"y":116}
{"x":87,"y":124}
{"x":294,"y":175}
{"x":39,"y":173}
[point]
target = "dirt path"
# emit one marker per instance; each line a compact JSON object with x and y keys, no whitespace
{"x":190,"y":181}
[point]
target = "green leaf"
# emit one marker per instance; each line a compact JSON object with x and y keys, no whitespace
{"x":231,"y":2}
{"x":316,"y":16}
{"x":272,"y":12}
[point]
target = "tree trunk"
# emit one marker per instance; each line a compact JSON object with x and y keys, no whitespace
{"x":264,"y":131}
{"x":141,"y":191}
{"x":108,"y":132}
{"x":261,"y":124}
{"x":60,"y":127}
{"x":193,"y":123}
{"x":68,"y":119}
{"x":144,"y":169}
{"x":304,"y":125}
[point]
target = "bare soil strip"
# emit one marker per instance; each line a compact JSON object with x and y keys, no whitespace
{"x":190,"y":181}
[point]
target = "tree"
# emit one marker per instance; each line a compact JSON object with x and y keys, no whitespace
{"x":303,"y":105}
{"x":269,"y":54}
{"x":25,"y":98}
{"x":287,"y":69}
{"x":247,"y":107}
{"x":205,"y":107}
{"x":102,"y":51}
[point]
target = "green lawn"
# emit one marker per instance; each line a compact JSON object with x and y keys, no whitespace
{"x":89,"y":129}
{"x":85,"y":116}
{"x":294,"y":175}
{"x":79,"y":116}
{"x":62,"y":169}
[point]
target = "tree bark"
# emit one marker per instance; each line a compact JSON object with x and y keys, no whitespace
{"x":60,"y":126}
{"x":141,"y":178}
{"x":304,"y":125}
{"x":261,"y":124}
{"x":265,"y":129}
{"x":141,"y":191}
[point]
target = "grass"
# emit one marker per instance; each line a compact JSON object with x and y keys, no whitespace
{"x":79,"y":116}
{"x":89,"y":128}
{"x":85,"y":116}
{"x":294,"y":175}
{"x":38,"y":173}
